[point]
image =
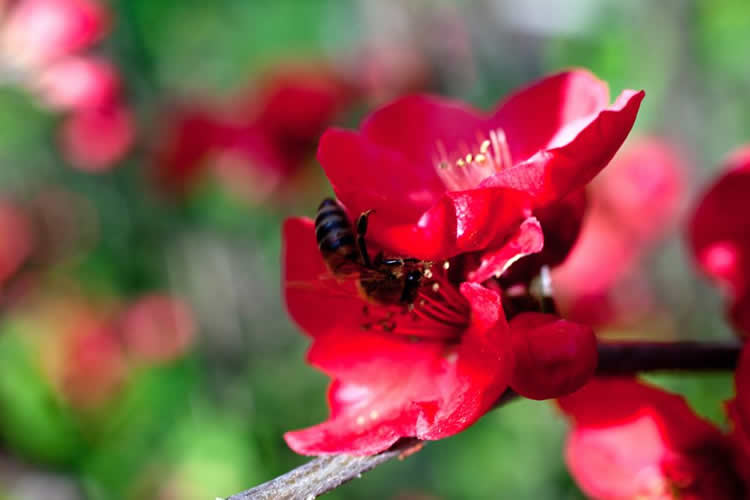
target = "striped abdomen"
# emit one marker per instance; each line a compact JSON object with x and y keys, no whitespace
{"x":335,"y":237}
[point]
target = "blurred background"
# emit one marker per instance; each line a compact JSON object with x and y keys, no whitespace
{"x":149,"y":152}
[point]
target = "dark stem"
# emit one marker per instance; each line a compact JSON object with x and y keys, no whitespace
{"x":324,"y":474}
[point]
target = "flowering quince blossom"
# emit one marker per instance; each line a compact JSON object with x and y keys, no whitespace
{"x":41,"y":44}
{"x":431,"y":369}
{"x":631,"y":205}
{"x":719,"y":236}
{"x":268,"y":135}
{"x":630,"y":440}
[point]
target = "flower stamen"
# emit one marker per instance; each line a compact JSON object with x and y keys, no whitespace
{"x":469,"y":168}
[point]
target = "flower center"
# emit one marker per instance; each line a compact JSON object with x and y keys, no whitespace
{"x":439,"y":312}
{"x":468,"y":167}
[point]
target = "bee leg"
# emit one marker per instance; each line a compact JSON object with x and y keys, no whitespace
{"x":361,"y":232}
{"x":400,"y":261}
{"x":393,"y":262}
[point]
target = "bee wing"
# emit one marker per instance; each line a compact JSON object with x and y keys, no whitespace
{"x":343,"y":286}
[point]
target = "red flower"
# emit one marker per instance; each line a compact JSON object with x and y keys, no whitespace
{"x":431,"y":369}
{"x":719,"y":236}
{"x":95,"y":139}
{"x":267,"y":136}
{"x":635,"y":200}
{"x":39,"y":31}
{"x":630,"y":440}
{"x":428,"y":378}
{"x":445,"y":179}
{"x":78,"y":83}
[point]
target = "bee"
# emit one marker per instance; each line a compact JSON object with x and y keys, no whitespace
{"x":380,"y":280}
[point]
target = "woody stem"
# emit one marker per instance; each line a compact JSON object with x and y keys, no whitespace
{"x":324,"y":474}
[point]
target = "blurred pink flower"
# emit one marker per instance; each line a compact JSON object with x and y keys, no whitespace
{"x":41,"y":44}
{"x":94,"y":367}
{"x":635,"y":201}
{"x":261,"y":139}
{"x":719,"y":236}
{"x":39,"y":31}
{"x":157,"y":328}
{"x":631,"y":440}
{"x":78,"y":82}
{"x":95,"y":139}
{"x":17,"y":237}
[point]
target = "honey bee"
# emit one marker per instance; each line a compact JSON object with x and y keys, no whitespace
{"x":381,"y":280}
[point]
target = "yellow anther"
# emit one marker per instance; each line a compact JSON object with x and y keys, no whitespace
{"x":485,"y":146}
{"x":469,"y":158}
{"x":460,"y":162}
{"x":446,"y":265}
{"x":435,"y":287}
{"x":480,"y":158}
{"x":428,"y":274}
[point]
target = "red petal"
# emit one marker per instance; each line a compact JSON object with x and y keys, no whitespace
{"x":366,"y":176}
{"x":720,"y":229}
{"x":308,"y":292}
{"x":413,"y":125}
{"x":630,"y":440}
{"x":561,"y":224}
{"x":604,"y":402}
{"x":552,"y":356}
{"x":527,"y":240}
{"x":95,"y":139}
{"x":531,"y":117}
{"x":577,"y":153}
{"x":389,"y":387}
{"x":463,"y":221}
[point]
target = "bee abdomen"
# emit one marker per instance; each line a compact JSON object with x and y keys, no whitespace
{"x":335,"y":235}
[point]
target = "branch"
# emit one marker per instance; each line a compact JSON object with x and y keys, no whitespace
{"x":324,"y":474}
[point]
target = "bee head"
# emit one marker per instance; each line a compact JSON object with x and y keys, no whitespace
{"x":412,"y":280}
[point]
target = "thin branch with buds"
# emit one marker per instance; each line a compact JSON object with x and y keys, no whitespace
{"x":324,"y":474}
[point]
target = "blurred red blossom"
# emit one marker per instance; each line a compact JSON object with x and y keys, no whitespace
{"x":719,"y":236}
{"x":36,"y":32}
{"x":17,"y":236}
{"x":78,"y":346}
{"x":263,"y":137}
{"x":631,"y":205}
{"x":471,"y":212}
{"x":94,"y":366}
{"x":41,"y":43}
{"x":79,"y":83}
{"x":94,"y":139}
{"x":157,"y":328}
{"x":87,"y":345}
{"x":630,"y":440}
{"x":436,"y":196}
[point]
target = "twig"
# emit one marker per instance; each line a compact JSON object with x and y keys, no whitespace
{"x":321,"y":475}
{"x":324,"y":474}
